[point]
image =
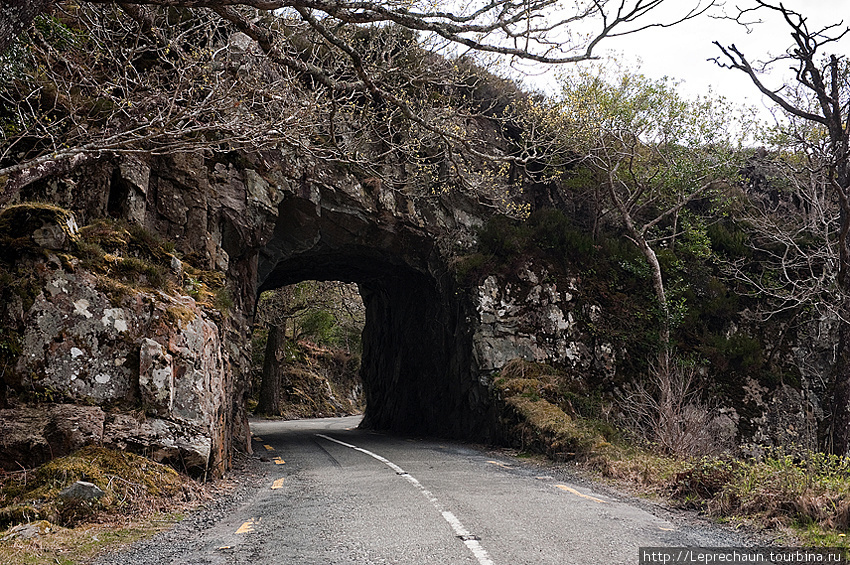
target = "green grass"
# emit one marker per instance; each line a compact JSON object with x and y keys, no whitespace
{"x":806,"y":496}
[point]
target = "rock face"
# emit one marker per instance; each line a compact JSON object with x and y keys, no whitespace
{"x":156,"y":373}
{"x":32,"y":434}
{"x":532,"y":314}
{"x":537,"y":321}
{"x":81,"y":490}
{"x":159,"y":353}
{"x":168,"y":378}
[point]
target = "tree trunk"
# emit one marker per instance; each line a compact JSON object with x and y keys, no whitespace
{"x":639,"y":239}
{"x":663,"y":306}
{"x":273,"y":369}
{"x":841,"y":395}
{"x":841,"y":398}
{"x":16,"y":16}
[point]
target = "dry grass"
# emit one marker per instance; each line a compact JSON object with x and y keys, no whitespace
{"x":806,"y":495}
{"x":533,"y":419}
{"x":142,"y":498}
{"x":131,"y":258}
{"x":73,"y":546}
{"x":132,"y":484}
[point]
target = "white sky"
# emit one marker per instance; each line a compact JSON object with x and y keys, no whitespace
{"x":681,"y":52}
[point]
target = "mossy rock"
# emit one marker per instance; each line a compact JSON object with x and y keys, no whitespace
{"x":36,"y":225}
{"x":534,"y":417}
{"x":549,"y":429}
{"x":128,"y":480}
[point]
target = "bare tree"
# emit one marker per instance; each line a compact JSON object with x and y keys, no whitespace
{"x":285,"y":307}
{"x":17,"y":15}
{"x":792,"y":216}
{"x":90,"y":86}
{"x":670,"y":412}
{"x":138,"y":78}
{"x":817,"y":105}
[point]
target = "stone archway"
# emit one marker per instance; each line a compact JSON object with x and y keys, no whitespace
{"x":417,"y":366}
{"x":161,"y":373}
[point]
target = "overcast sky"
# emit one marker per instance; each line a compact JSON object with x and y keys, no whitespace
{"x":682,"y":51}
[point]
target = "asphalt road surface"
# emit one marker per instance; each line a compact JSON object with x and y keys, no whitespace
{"x":333,"y":494}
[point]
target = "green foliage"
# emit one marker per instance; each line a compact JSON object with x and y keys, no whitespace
{"x":812,"y":488}
{"x":548,"y":232}
{"x":611,"y":270}
{"x":222,"y":300}
{"x":694,"y":242}
{"x":320,"y":325}
{"x":740,"y":353}
{"x":504,"y":237}
{"x":147,"y":243}
{"x":327,"y":328}
{"x":57,"y":33}
{"x":327,"y":312}
{"x":141,"y":271}
{"x":701,"y":301}
{"x":728,"y":240}
{"x":555,"y":232}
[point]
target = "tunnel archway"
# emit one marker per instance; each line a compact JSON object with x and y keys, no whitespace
{"x":417,"y":366}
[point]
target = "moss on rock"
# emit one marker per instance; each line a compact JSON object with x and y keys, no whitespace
{"x":131,"y":482}
{"x":532,"y":418}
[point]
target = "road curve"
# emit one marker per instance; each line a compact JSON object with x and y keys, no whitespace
{"x":333,"y":494}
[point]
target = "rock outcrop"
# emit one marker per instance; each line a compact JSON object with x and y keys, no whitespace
{"x":164,"y":372}
{"x":167,"y":376}
{"x":153,"y":353}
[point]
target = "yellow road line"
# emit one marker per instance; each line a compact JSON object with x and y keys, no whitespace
{"x":577,"y":493}
{"x":666,"y":529}
{"x":279,"y":461}
{"x":505,"y":465}
{"x":247,"y":527}
{"x":277,"y":484}
{"x":268,"y":447}
{"x":258,"y":438}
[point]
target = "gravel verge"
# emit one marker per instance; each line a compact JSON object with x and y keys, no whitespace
{"x":247,"y":475}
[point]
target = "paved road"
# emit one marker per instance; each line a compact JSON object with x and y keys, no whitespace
{"x":334,"y":494}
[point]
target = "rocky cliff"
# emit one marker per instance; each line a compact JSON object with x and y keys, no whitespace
{"x":101,"y":350}
{"x":128,"y":308}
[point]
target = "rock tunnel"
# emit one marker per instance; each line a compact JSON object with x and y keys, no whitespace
{"x":417,"y":366}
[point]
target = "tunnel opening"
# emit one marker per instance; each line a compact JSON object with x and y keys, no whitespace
{"x":307,"y":351}
{"x":417,"y":364}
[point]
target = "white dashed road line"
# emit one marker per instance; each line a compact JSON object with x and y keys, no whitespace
{"x":470,"y":540}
